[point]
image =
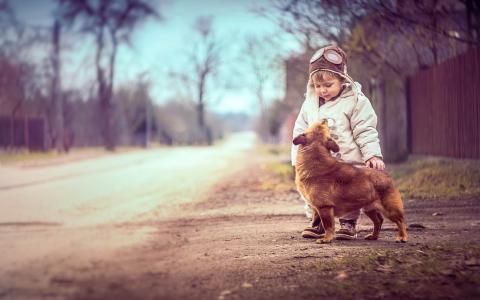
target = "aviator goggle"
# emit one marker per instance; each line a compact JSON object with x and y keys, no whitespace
{"x":330,"y":54}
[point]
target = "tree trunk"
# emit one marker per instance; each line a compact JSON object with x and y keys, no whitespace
{"x":201,"y":110}
{"x":12,"y":123}
{"x":109,"y":92}
{"x":103,"y":97}
{"x":55,"y":90}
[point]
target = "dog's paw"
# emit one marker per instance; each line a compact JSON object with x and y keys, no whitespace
{"x":371,"y":237}
{"x":400,"y":239}
{"x":324,"y":241}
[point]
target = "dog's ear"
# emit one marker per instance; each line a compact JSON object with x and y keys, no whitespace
{"x":332,"y":146}
{"x":300,"y":139}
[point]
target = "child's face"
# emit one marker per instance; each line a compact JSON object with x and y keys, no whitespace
{"x":327,"y":89}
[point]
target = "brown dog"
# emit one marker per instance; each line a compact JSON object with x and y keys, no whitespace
{"x":334,"y":188}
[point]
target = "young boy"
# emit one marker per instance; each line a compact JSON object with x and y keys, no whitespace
{"x":333,"y":95}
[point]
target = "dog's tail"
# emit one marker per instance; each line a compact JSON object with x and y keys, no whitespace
{"x":392,"y":203}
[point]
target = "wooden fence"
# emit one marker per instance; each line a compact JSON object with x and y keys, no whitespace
{"x":444,"y":108}
{"x":22,"y":133}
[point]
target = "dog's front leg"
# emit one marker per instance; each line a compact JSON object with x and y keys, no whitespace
{"x":315,"y":219}
{"x":328,"y":221}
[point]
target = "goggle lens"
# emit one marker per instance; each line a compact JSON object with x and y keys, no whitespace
{"x":333,"y":57}
{"x":330,"y":55}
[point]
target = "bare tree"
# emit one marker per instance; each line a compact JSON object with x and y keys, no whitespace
{"x":410,"y":29}
{"x":55,"y":89}
{"x":259,"y":55}
{"x":260,"y":66}
{"x":10,"y":29}
{"x":205,"y":57}
{"x":13,"y":70}
{"x":111,"y":23}
{"x":135,"y":111}
{"x":22,"y":85}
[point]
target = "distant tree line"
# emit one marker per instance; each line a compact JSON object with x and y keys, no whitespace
{"x":104,"y":112}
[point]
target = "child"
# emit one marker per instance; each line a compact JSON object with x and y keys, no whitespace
{"x":333,"y":95}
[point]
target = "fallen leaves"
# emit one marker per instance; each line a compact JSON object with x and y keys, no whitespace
{"x":341,"y":275}
{"x":384,"y":269}
{"x":416,"y":226}
{"x":223,"y":294}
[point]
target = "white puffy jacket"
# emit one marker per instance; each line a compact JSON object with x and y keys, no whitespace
{"x":352,"y":123}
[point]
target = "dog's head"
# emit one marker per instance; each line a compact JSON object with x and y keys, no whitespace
{"x":317,"y":132}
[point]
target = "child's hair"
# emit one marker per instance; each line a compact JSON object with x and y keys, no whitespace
{"x":320,"y":76}
{"x":324,"y":75}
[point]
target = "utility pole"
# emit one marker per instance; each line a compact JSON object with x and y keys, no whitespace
{"x":56,"y":88}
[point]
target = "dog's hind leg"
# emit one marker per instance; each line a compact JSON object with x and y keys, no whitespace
{"x":398,"y":219}
{"x":377,"y":220}
{"x":328,"y":221}
{"x":402,"y":229}
{"x":393,"y":210}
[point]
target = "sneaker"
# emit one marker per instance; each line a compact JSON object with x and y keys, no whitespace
{"x":313,"y":232}
{"x":347,"y":230}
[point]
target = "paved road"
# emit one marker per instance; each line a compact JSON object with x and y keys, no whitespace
{"x":64,"y":207}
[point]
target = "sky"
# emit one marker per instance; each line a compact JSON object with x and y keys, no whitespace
{"x":161,"y":47}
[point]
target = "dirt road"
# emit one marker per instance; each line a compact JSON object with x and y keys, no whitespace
{"x":241,"y":240}
{"x":115,"y":188}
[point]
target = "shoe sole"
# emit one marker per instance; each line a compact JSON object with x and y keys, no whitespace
{"x":312,"y":235}
{"x":345,"y":237}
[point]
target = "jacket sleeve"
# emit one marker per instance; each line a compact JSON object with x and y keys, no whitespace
{"x":364,"y":128}
{"x":301,"y":124}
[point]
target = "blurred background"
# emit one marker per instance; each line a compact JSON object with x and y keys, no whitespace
{"x":98,"y":73}
{"x":144,"y":147}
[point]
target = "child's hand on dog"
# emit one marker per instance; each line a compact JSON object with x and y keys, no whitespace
{"x":375,"y":163}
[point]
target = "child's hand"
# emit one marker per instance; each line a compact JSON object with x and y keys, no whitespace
{"x":375,"y":163}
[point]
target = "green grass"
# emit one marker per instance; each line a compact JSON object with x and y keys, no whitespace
{"x":284,"y":170}
{"x":25,"y":156}
{"x":277,"y":165}
{"x":274,"y":150}
{"x":282,"y":179}
{"x":437,"y":178}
